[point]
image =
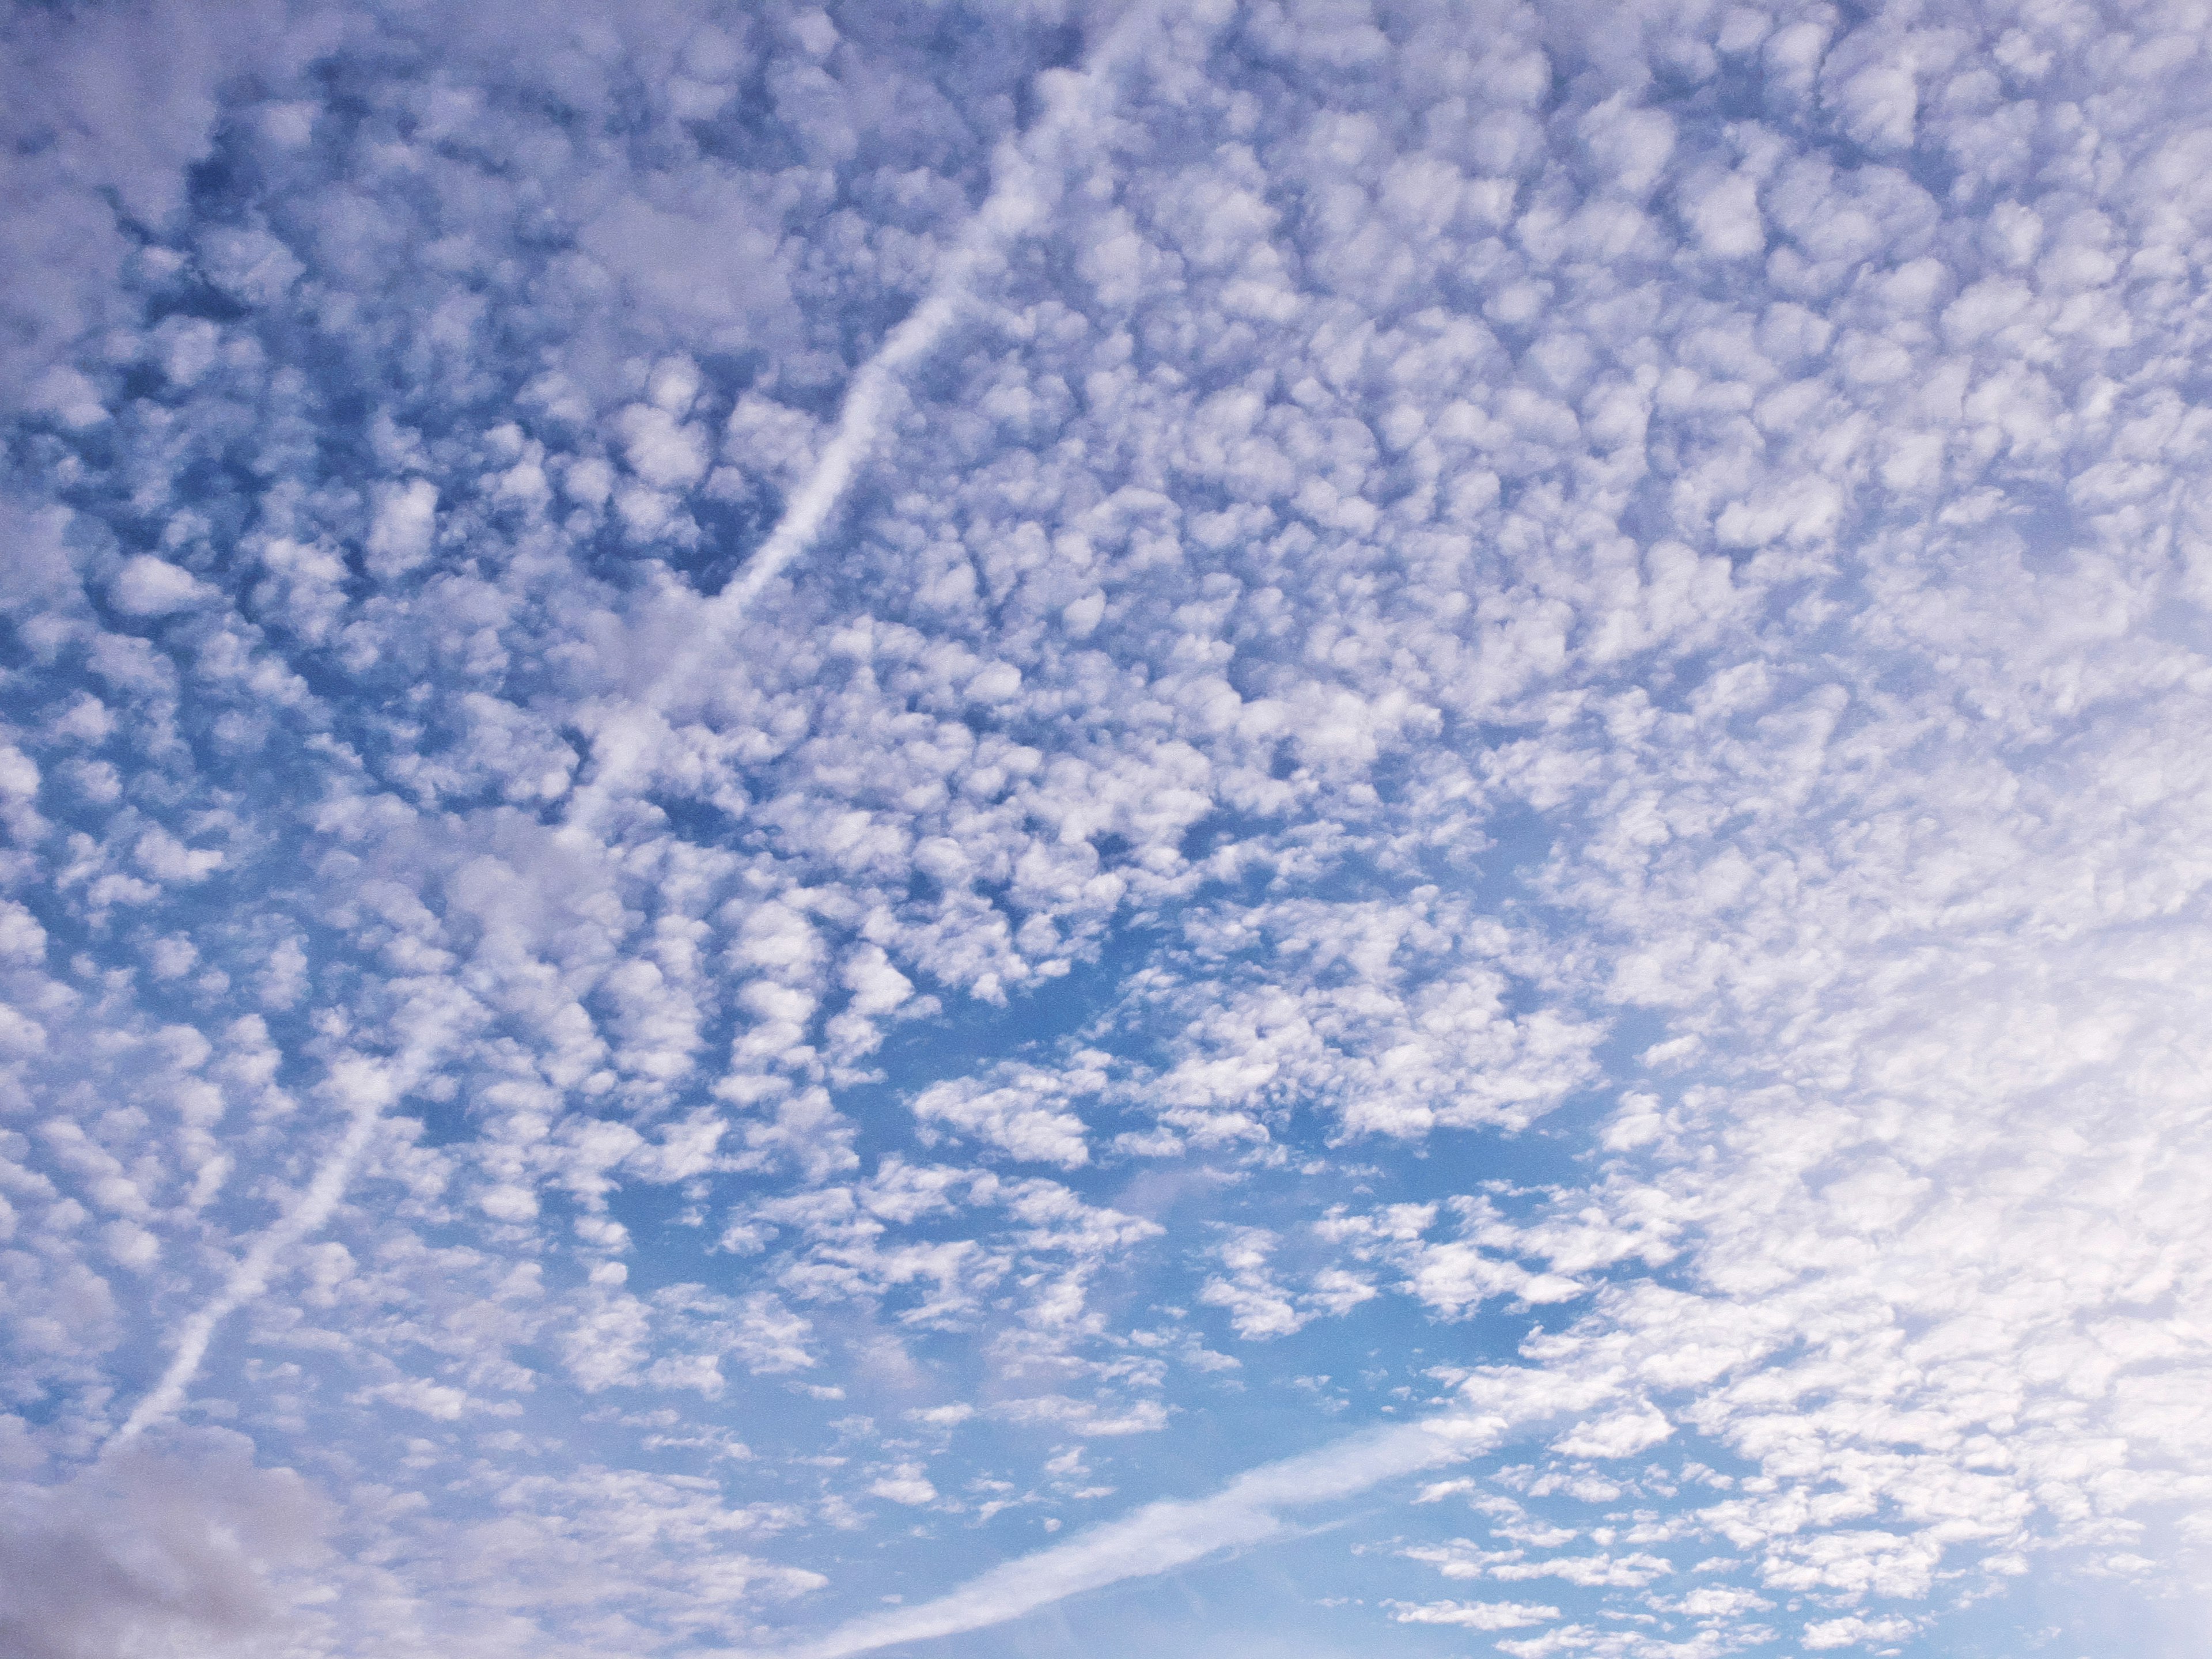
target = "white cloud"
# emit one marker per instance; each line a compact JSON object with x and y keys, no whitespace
{"x":148,"y":587}
{"x":1542,"y":678}
{"x":1827,"y":1634}
{"x":1475,"y":1615}
{"x":1028,"y":1115}
{"x":907,"y":1484}
{"x":406,"y":519}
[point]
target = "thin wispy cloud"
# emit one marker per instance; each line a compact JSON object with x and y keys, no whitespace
{"x":1160,"y":1537}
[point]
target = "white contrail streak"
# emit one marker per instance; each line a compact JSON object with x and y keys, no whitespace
{"x":1028,"y":174}
{"x":370,"y":1089}
{"x":1160,"y":1537}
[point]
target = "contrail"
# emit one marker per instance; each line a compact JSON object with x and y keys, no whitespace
{"x":1025,"y":186}
{"x":371,"y":1088}
{"x":1028,"y":174}
{"x":1160,"y":1537}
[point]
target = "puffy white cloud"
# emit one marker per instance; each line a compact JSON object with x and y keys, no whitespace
{"x":1476,"y":1615}
{"x":400,"y":532}
{"x":1029,"y":1114}
{"x":905,"y":1484}
{"x":148,"y":587}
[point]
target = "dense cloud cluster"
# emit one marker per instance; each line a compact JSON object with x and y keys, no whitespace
{"x":790,"y":792}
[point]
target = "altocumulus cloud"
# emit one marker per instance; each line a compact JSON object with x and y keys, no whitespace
{"x":1374,"y":826}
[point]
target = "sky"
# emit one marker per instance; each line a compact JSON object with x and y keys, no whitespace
{"x":1283,"y":829}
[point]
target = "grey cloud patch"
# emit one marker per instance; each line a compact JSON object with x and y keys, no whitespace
{"x":164,"y":1547}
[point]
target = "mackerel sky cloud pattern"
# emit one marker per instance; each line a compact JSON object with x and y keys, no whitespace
{"x":1029,"y":829}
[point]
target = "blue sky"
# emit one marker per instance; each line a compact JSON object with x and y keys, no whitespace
{"x":1043,"y":830}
